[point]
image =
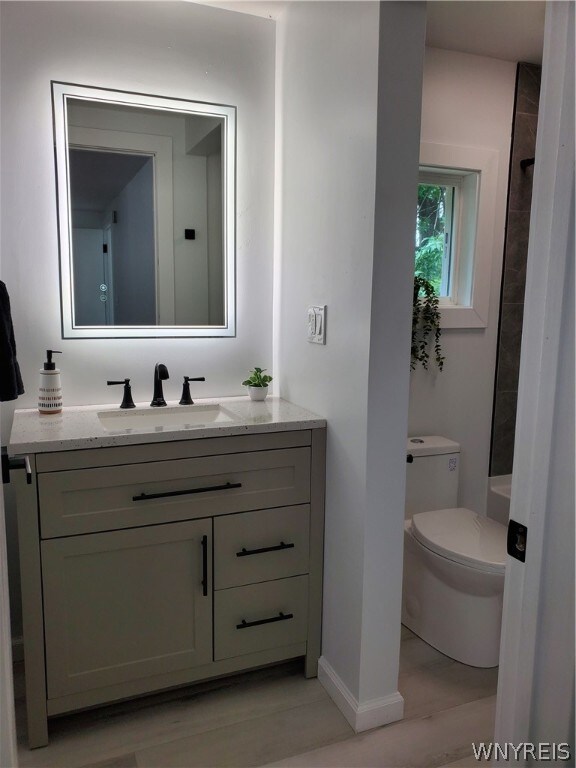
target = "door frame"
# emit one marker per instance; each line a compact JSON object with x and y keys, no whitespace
{"x":8,"y":754}
{"x":550,"y":227}
{"x":161,"y":150}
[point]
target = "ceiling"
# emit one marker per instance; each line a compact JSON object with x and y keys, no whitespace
{"x":511,"y":30}
{"x":97,"y":178}
{"x":502,"y":29}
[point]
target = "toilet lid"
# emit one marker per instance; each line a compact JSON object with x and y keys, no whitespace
{"x":463,"y":536}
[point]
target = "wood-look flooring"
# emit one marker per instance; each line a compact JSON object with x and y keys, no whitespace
{"x":276,"y":717}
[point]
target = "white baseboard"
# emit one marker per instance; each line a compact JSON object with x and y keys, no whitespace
{"x":361,"y":717}
{"x":17,"y":649}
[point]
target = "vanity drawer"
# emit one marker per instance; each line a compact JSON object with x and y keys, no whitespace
{"x":259,"y":546}
{"x":110,"y":498}
{"x":260,"y":616}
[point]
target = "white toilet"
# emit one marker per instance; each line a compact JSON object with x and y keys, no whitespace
{"x":454,"y":560}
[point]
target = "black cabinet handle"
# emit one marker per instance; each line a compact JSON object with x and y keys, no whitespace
{"x":9,"y":463}
{"x":281,"y":617}
{"x":246,"y":552}
{"x":205,"y":566}
{"x":166,"y":494}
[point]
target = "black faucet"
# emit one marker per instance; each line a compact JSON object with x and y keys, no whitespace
{"x":160,"y":375}
{"x":127,"y":401}
{"x":186,"y":398}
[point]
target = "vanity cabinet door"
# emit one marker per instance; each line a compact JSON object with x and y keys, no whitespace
{"x":125,"y":605}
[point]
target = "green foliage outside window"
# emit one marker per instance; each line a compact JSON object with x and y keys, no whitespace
{"x":430,"y":227}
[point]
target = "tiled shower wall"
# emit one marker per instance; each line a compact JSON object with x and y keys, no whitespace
{"x":514,"y":270}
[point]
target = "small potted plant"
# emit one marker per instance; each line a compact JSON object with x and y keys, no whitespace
{"x":257,"y":384}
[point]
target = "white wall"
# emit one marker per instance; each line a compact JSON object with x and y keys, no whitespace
{"x":467,"y":101}
{"x":328,"y":170}
{"x":402,"y":38}
{"x":327,"y":82}
{"x":134,"y":268}
{"x":173,"y":49}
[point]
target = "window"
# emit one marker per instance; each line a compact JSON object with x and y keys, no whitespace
{"x":445,"y":232}
{"x":436,"y":230}
{"x":454,"y":239}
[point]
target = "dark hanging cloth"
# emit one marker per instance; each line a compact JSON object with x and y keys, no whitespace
{"x":10,"y":379}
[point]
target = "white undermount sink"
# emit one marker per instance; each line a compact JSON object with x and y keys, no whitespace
{"x":158,"y":419}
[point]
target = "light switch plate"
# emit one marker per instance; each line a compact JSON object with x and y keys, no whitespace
{"x":317,"y":324}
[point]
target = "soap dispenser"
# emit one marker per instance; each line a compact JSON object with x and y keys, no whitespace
{"x":50,"y":391}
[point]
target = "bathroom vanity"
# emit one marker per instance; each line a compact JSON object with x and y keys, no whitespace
{"x":155,"y":553}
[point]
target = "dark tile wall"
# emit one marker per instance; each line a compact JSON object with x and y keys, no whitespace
{"x":514,"y":269}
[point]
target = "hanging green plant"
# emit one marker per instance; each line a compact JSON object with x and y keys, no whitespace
{"x":425,"y":324}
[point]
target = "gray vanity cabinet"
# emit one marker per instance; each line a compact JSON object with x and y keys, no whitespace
{"x":155,"y":565}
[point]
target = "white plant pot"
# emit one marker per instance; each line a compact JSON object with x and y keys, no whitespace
{"x":258,"y":393}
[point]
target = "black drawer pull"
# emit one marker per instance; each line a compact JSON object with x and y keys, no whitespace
{"x":206,"y":489}
{"x":281,"y":617}
{"x":205,"y":566}
{"x":245,"y":552}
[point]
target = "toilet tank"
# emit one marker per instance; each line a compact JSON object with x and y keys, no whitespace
{"x":431,"y":474}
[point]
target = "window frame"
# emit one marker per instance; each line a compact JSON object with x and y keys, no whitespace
{"x":468,"y":305}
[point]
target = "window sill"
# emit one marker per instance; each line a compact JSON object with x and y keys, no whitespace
{"x":454,"y":316}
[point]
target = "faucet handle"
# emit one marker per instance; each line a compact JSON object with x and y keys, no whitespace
{"x":127,"y":401}
{"x":186,"y":398}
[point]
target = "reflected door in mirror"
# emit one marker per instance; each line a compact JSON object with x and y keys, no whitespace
{"x":113,"y":237}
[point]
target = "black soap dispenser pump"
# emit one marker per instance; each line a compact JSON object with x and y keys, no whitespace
{"x":50,"y":390}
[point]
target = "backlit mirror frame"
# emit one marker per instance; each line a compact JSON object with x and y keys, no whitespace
{"x":61,"y":93}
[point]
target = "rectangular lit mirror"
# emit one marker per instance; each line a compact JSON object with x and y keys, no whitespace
{"x":146,"y":214}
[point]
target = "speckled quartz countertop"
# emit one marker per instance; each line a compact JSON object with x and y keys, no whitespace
{"x":92,"y":426}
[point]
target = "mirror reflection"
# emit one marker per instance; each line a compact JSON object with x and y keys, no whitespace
{"x":146,"y":214}
{"x":113,"y":238}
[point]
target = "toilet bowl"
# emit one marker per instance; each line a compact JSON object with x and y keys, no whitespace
{"x":454,"y":561}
